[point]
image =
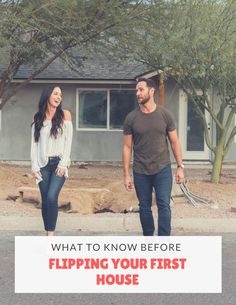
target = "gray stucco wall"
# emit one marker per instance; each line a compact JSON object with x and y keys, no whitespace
{"x":15,"y":132}
{"x":17,"y":117}
{"x":231,"y":156}
{"x":172,"y":99}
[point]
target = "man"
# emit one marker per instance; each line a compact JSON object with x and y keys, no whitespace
{"x":146,"y":129}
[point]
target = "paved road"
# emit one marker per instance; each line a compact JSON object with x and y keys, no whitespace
{"x":8,"y":297}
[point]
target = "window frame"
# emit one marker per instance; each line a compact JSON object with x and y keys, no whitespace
{"x":108,"y":90}
{"x":234,"y":126}
{"x":0,"y":116}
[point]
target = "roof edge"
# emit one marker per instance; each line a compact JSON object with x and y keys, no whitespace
{"x":78,"y":81}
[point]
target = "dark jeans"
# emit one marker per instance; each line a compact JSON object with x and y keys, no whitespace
{"x":162,"y":184}
{"x":50,"y":188}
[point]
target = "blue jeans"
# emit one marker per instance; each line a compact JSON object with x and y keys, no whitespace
{"x":162,"y":184}
{"x":50,"y":188}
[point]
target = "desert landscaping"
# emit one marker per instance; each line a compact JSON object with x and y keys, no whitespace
{"x":98,"y":188}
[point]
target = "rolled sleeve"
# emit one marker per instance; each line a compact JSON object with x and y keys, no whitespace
{"x":127,"y":129}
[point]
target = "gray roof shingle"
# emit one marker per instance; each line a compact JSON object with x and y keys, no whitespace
{"x":91,"y":69}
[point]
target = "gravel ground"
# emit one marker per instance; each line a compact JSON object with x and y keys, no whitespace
{"x":108,"y":177}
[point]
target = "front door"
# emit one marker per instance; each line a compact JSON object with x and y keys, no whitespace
{"x":191,"y":131}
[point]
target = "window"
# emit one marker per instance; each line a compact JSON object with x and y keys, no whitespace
{"x":121,"y":103}
{"x":92,"y":109}
{"x":104,"y":109}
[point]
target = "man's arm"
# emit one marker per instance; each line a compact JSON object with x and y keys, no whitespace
{"x":126,"y":156}
{"x":176,"y":148}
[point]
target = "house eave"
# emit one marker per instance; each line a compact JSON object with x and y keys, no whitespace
{"x":78,"y":81}
{"x":150,"y":74}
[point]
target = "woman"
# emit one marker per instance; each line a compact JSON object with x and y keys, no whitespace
{"x":50,"y":152}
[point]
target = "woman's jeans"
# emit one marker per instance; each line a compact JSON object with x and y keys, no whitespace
{"x":50,"y":188}
{"x":162,"y":184}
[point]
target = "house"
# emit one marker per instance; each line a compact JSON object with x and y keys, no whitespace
{"x":99,"y":96}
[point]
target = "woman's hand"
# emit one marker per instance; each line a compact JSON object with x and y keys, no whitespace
{"x":60,"y":171}
{"x":37,"y":175}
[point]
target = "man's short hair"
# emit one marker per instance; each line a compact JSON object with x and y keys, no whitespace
{"x":149,"y":82}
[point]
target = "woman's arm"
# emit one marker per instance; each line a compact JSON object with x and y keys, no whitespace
{"x":34,"y":154}
{"x":65,"y":161}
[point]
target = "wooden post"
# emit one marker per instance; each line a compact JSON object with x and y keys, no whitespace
{"x":161,"y":90}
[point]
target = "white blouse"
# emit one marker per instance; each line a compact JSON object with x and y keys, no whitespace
{"x":49,"y":146}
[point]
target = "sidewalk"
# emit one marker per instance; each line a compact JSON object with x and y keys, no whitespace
{"x":115,"y":223}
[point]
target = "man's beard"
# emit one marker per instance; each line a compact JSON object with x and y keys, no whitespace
{"x":145,"y":100}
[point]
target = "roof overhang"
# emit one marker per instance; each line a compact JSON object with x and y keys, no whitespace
{"x":76,"y":81}
{"x":150,"y":74}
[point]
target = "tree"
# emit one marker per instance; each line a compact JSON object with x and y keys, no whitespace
{"x":194,"y":41}
{"x":35,"y":33}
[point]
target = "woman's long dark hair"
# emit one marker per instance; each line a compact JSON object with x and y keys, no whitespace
{"x":40,"y":116}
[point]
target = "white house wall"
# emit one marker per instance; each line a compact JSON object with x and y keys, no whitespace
{"x":231,"y":156}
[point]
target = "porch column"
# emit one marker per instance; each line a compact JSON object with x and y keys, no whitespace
{"x":161,"y":90}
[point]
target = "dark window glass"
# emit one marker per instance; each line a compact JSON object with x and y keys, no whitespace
{"x":121,"y":103}
{"x":195,"y":129}
{"x":93,"y":109}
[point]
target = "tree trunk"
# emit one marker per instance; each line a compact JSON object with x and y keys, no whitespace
{"x":217,"y":165}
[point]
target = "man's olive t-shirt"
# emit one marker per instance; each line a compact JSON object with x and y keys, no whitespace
{"x":149,"y":132}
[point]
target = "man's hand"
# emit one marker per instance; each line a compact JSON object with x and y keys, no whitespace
{"x":179,"y":175}
{"x":128,"y":183}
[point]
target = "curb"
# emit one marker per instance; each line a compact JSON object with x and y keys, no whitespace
{"x":114,"y":223}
